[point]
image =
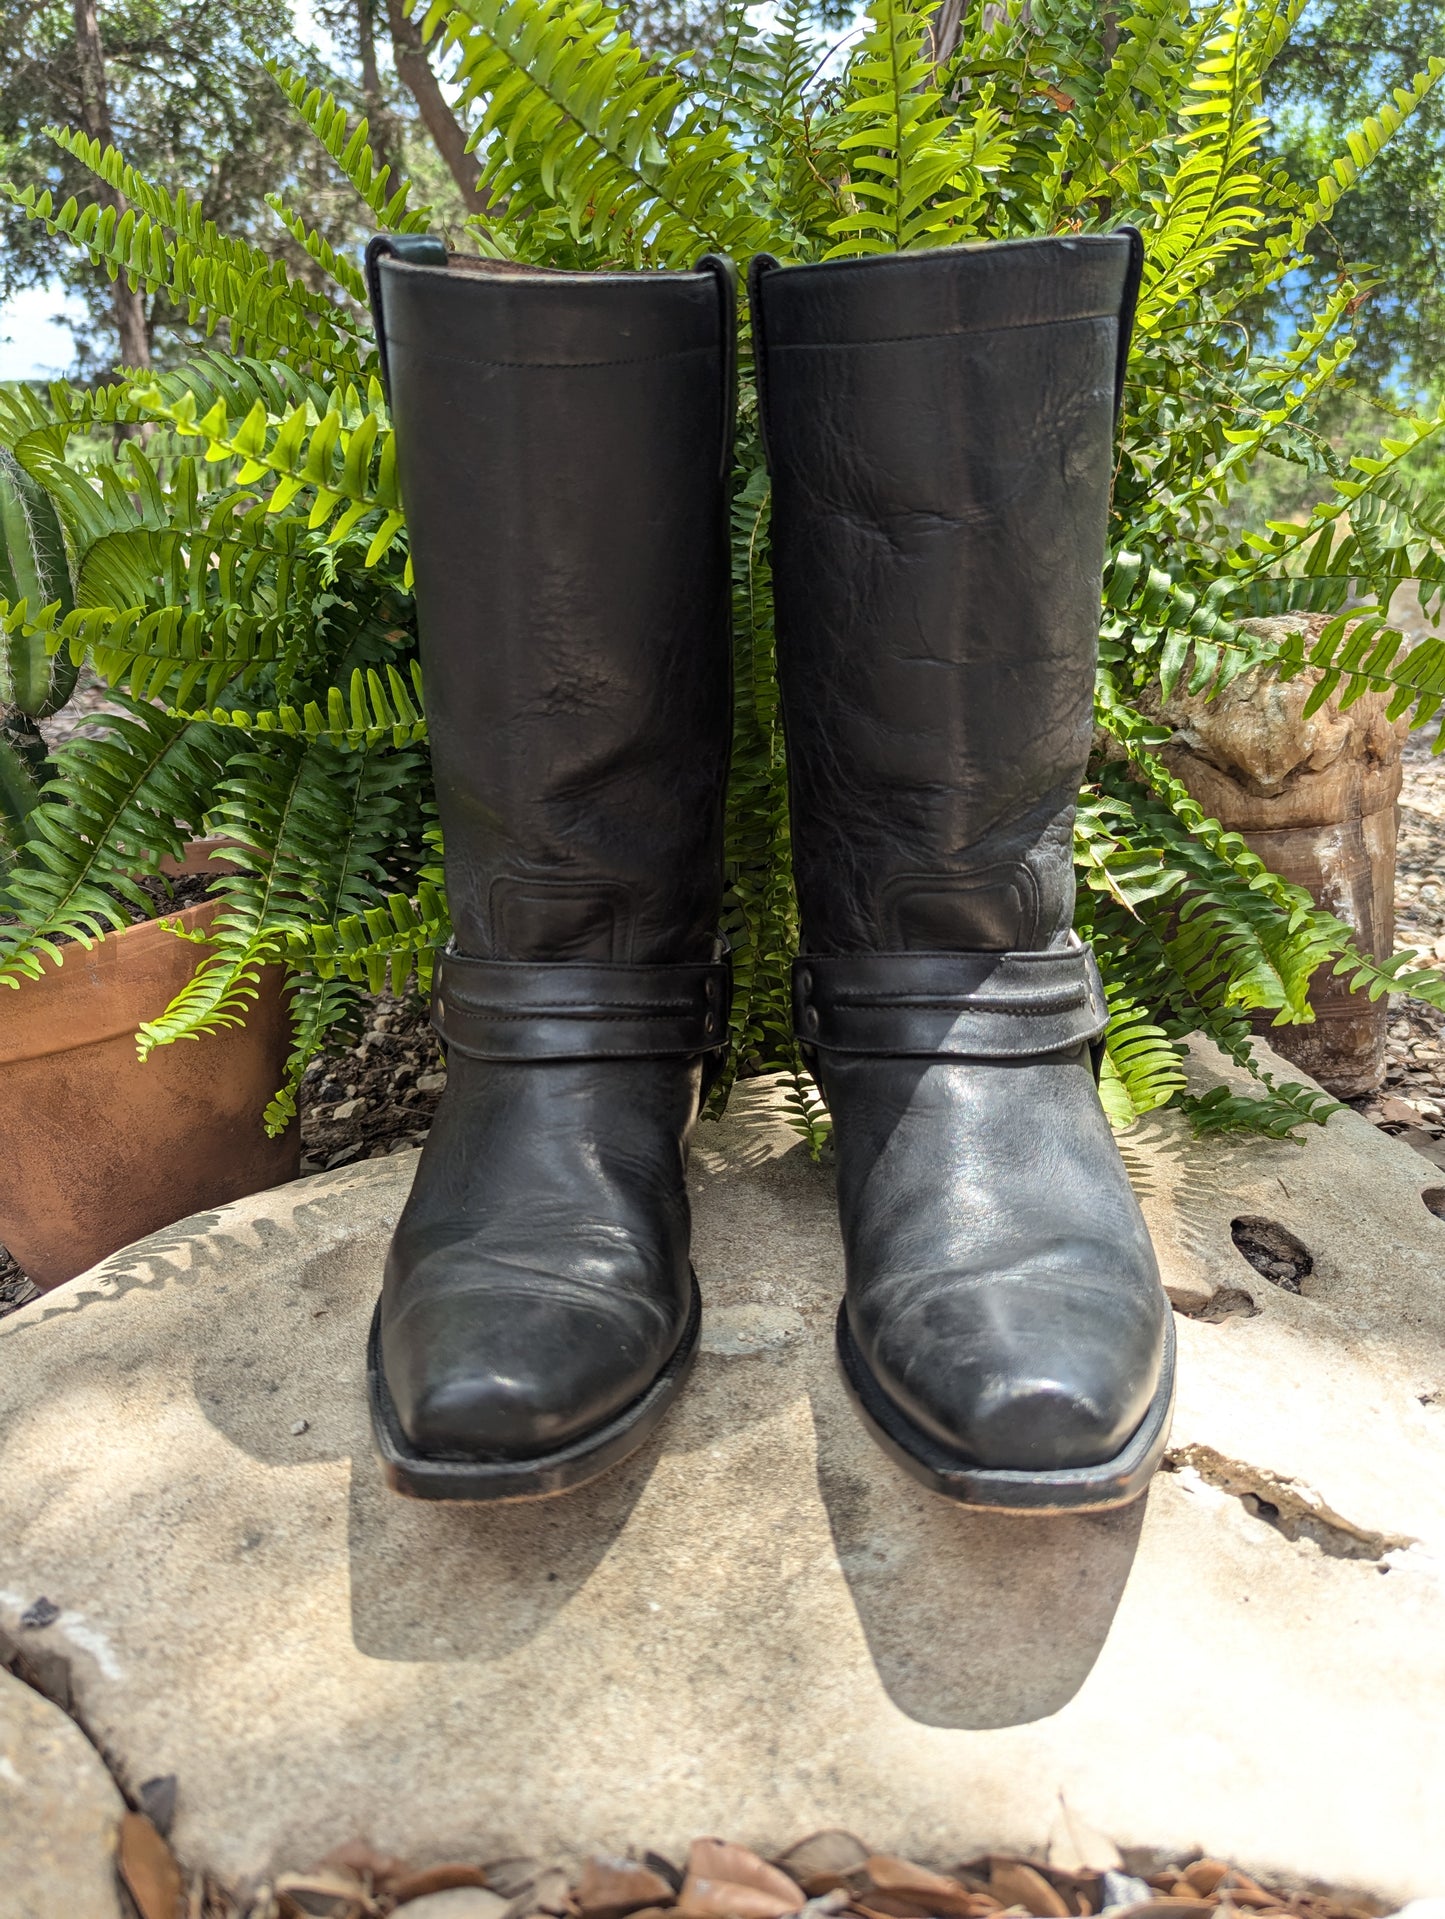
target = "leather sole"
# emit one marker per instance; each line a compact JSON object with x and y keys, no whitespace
{"x":1069,"y":1489}
{"x":425,"y":1476}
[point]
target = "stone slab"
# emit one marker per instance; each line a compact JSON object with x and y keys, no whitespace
{"x":758,"y":1626}
{"x":59,"y":1814}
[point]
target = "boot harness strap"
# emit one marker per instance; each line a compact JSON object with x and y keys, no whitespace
{"x":954,"y":1005}
{"x":509,"y":1009}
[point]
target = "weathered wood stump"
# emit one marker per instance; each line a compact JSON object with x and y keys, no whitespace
{"x":1317,"y":799}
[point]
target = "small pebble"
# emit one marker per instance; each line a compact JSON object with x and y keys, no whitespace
{"x":1121,"y":1889}
{"x":348,"y":1109}
{"x":431,"y":1082}
{"x":301,"y":1426}
{"x":43,"y":1613}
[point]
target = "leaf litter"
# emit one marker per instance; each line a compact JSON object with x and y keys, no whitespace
{"x":828,"y":1875}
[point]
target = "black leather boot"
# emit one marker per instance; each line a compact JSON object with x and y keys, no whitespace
{"x":940,"y":432}
{"x":563,"y":444}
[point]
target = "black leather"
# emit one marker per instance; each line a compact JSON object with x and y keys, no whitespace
{"x":960,"y":1005}
{"x":562,"y":444}
{"x":499,"y":1009}
{"x":939,"y":428}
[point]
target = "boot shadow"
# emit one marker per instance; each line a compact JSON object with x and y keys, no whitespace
{"x":428,"y":1581}
{"x":443,"y":1582}
{"x":974,"y":1620}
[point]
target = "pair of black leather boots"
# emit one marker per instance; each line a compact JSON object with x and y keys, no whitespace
{"x":939,"y":428}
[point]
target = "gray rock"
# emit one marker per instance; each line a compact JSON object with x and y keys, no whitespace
{"x":758,"y":1626}
{"x":462,"y":1902}
{"x":59,"y":1810}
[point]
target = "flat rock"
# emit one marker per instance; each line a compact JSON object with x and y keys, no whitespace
{"x":59,"y":1811}
{"x":758,"y":1627}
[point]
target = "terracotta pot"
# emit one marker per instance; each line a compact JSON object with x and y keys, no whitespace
{"x":96,"y":1149}
{"x":1317,"y":799}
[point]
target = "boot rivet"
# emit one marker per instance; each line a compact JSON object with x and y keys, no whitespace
{"x":710,"y":988}
{"x":810,"y":1018}
{"x":806,"y":982}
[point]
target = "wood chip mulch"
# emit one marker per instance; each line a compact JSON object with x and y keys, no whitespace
{"x":830,"y":1873}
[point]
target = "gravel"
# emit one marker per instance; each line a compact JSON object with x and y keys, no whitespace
{"x":379,"y":1096}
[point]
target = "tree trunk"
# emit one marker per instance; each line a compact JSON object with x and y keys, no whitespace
{"x":947,"y":30}
{"x":382,"y":133}
{"x":129,"y":302}
{"x":449,"y":136}
{"x":1109,"y":39}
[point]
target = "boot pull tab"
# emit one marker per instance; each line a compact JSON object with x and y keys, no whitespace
{"x":1133,"y":274}
{"x":759,"y":266}
{"x":416,"y":250}
{"x":726,"y":275}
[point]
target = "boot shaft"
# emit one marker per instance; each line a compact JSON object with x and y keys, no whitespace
{"x":563,"y":442}
{"x":940,"y":432}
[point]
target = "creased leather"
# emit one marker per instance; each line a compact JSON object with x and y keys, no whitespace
{"x":560,"y":441}
{"x":939,"y":428}
{"x":562,"y":445}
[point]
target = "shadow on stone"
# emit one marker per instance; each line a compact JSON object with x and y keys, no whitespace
{"x":431,"y":1581}
{"x":973,"y":1620}
{"x":428,"y":1581}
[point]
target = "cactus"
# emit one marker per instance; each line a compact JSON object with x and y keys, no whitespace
{"x":34,"y":573}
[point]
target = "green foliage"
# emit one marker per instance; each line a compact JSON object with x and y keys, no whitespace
{"x":1278,"y":1114}
{"x":196,"y":107}
{"x":238,"y":549}
{"x":1340,"y":68}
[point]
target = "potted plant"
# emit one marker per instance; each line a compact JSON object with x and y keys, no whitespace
{"x":97,"y":1148}
{"x":239,"y":549}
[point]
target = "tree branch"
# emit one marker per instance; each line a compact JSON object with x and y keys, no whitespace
{"x":447,"y":132}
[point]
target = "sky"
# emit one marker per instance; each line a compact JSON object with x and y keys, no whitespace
{"x":33,"y":345}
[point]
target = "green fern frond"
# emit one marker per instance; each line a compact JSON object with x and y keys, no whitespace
{"x":576,"y":117}
{"x":115,"y":806}
{"x":918,"y":178}
{"x":1277,"y":1113}
{"x":372,"y":711}
{"x":1141,"y":1067}
{"x":345,"y":461}
{"x":350,"y":148}
{"x":308,"y":823}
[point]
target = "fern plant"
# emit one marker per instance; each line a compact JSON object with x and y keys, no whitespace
{"x":235,"y":548}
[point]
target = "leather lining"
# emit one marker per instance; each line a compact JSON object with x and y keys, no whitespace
{"x":513,"y":1010}
{"x":950,"y":1005}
